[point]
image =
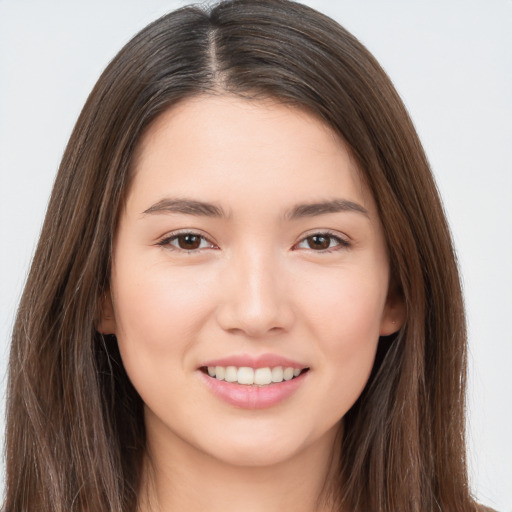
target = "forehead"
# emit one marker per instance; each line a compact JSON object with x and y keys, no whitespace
{"x":225,"y":147}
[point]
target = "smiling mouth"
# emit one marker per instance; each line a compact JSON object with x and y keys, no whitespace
{"x":247,"y":376}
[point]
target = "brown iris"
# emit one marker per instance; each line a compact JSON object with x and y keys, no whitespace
{"x":189,"y":241}
{"x":319,"y":242}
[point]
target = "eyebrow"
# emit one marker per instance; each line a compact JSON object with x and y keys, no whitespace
{"x":204,"y":209}
{"x":323,"y":207}
{"x":186,"y":206}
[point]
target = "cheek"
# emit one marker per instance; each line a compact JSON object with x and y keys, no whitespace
{"x":345,"y":305}
{"x":157,"y":298}
{"x":344,"y":316}
{"x":157,"y":313}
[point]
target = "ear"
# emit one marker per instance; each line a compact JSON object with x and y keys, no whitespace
{"x":393,"y":316}
{"x":107,"y":321}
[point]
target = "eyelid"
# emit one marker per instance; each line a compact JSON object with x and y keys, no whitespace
{"x":165,"y":241}
{"x":343,"y":240}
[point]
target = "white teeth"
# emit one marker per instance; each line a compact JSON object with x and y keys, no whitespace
{"x":246,"y":375}
{"x":253,"y":376}
{"x":231,"y":374}
{"x":262,"y":376}
{"x":288,"y":374}
{"x":277,"y":374}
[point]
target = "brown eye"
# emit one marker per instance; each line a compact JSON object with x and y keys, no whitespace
{"x":188,"y":242}
{"x":323,"y":242}
{"x":319,"y":242}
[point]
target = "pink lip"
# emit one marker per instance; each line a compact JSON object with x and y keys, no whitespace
{"x":261,"y":361}
{"x":253,"y":397}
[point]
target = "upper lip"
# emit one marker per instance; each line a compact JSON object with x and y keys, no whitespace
{"x":260,"y":361}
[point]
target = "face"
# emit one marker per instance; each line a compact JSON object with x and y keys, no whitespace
{"x":250,"y":280}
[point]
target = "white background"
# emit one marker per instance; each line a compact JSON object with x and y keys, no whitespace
{"x":450,"y":60}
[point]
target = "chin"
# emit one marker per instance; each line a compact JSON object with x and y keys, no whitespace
{"x":280,"y":445}
{"x":255,"y":455}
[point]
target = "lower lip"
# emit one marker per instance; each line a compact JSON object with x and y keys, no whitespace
{"x":253,"y":397}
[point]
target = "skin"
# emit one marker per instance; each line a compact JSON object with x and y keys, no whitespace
{"x":257,"y":283}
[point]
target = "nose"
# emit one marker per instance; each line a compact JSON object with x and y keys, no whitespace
{"x":255,"y":299}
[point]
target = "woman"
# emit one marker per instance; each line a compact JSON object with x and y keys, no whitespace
{"x":237,"y":175}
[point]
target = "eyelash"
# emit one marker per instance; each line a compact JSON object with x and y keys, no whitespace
{"x":167,"y":242}
{"x":341,"y":243}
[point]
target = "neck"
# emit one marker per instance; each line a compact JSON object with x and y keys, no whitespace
{"x":178,"y":477}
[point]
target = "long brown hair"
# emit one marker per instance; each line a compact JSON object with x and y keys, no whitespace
{"x":75,"y":428}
